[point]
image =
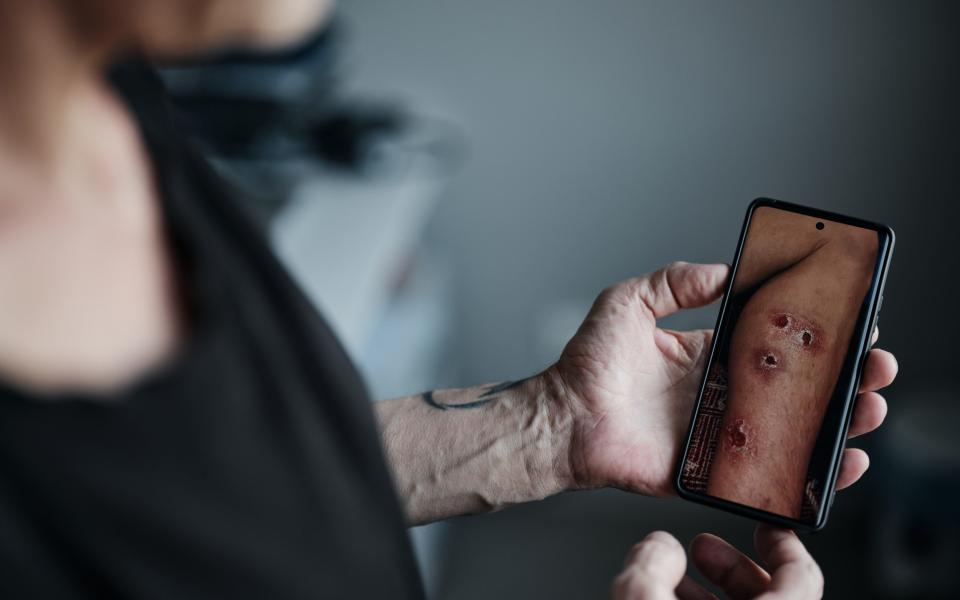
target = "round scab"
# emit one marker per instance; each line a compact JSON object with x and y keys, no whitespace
{"x":739,"y":439}
{"x":769,"y":360}
{"x":801,"y":332}
{"x":737,"y":434}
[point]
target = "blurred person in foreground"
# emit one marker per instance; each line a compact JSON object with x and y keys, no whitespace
{"x":177,"y":422}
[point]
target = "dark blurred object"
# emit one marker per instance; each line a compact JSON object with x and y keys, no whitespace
{"x":344,"y":137}
{"x":266,"y":105}
{"x":272,"y":122}
{"x":916,"y":529}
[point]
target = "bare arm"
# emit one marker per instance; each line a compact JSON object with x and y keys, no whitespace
{"x":475,"y":450}
{"x":611,"y":411}
{"x":780,"y":239}
{"x":785,"y":355}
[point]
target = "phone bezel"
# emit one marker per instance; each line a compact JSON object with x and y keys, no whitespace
{"x":860,"y":336}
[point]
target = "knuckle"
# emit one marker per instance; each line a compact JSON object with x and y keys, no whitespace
{"x":627,"y":294}
{"x":643,"y":290}
{"x":678,"y":270}
{"x":677,"y":264}
{"x":701,"y":281}
{"x":615,"y":292}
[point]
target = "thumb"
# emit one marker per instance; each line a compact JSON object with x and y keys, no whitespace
{"x":681,"y":285}
{"x":653,"y":570}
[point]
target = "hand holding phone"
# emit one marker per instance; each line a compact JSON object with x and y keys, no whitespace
{"x":767,"y":434}
{"x":624,"y":388}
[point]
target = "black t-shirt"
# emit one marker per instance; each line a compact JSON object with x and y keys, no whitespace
{"x":248,"y":467}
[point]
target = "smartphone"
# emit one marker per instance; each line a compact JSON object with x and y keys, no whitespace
{"x":770,"y":423}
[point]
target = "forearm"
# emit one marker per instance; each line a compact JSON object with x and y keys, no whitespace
{"x":762,"y":454}
{"x":786,"y":353}
{"x":455,"y":452}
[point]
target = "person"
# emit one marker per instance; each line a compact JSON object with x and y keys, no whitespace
{"x":177,"y":421}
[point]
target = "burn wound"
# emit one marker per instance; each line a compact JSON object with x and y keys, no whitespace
{"x":769,"y":359}
{"x":739,"y":437}
{"x":768,"y":362}
{"x":801,"y":332}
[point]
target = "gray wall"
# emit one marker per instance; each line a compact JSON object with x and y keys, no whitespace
{"x":610,"y":137}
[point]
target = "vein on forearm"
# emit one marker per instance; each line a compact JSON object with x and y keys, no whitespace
{"x":450,"y":461}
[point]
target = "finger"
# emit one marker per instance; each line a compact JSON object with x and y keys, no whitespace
{"x":879,"y":371}
{"x":683,"y":346}
{"x":691,"y":590}
{"x":653,"y":570}
{"x":794,"y":573}
{"x":727,"y":567}
{"x":853,"y":465}
{"x":868,"y":414}
{"x":680,"y":285}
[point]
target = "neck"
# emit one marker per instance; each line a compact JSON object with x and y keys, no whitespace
{"x":47,"y":71}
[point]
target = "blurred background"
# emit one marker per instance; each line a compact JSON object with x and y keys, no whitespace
{"x":454,"y":182}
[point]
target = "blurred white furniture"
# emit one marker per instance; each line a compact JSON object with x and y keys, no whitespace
{"x":353,"y":243}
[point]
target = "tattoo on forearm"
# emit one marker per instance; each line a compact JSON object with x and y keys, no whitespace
{"x":493,"y":390}
{"x":489,"y":394}
{"x":431,"y":401}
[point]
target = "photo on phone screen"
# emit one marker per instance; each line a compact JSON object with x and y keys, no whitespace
{"x":765,"y":433}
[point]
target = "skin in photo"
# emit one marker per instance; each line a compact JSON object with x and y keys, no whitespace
{"x":796,"y":298}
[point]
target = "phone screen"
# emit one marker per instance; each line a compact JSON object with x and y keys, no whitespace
{"x":766,"y":431}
